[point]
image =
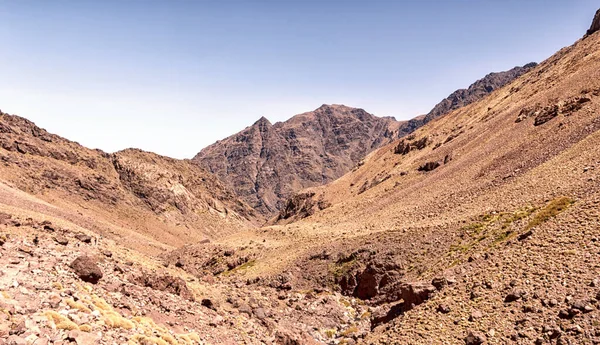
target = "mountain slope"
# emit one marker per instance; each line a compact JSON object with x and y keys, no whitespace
{"x":266,"y":163}
{"x":485,"y":231}
{"x":168,"y":200}
{"x":462,"y":97}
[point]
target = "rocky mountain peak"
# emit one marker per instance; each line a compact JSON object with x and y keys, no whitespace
{"x":595,"y":23}
{"x":263,"y":121}
{"x":307,"y":150}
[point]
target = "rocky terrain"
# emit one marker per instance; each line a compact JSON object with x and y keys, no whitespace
{"x":265,"y":163}
{"x":126,"y":194}
{"x":480,"y":227}
{"x":462,"y":97}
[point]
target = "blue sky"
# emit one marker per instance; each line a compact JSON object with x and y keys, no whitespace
{"x":174,"y":76}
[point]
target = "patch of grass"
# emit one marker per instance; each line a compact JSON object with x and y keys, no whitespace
{"x":144,"y":340}
{"x":58,"y":286}
{"x":502,"y":237}
{"x":330,"y":333}
{"x":340,"y":270}
{"x":518,"y":215}
{"x":101,"y":304}
{"x":349,"y":331}
{"x":85,"y":328}
{"x":242,"y":267}
{"x":551,"y":210}
{"x":77,"y":305}
{"x":60,"y":321}
{"x":148,"y":324}
{"x":169,"y":339}
{"x":463,"y":248}
{"x":114,"y":320}
{"x":190,"y":338}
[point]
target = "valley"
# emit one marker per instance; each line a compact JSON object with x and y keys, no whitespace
{"x":477,"y":223}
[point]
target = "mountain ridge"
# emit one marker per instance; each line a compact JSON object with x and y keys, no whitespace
{"x":265,"y":162}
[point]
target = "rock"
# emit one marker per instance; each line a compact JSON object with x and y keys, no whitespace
{"x":440,"y":282}
{"x":15,"y":340}
{"x":4,"y":329}
{"x":475,"y":338}
{"x":476,"y":315}
{"x":208,"y":303}
{"x":83,"y":338}
{"x":260,"y":313}
{"x":443,"y":308}
{"x":86,"y":269}
{"x":285,"y":337}
{"x":429,"y":166}
{"x":595,"y":24}
{"x":579,"y":304}
{"x":414,"y":294}
{"x":61,"y":240}
{"x":83,"y":238}
{"x":514,"y":295}
{"x":525,"y":235}
{"x":165,"y":282}
{"x":47,"y":226}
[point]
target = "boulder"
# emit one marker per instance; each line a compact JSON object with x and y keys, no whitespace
{"x":84,"y":238}
{"x":414,"y":294}
{"x":61,"y":240}
{"x":87,"y":269}
{"x":475,"y":338}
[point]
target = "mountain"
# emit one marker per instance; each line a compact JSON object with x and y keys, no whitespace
{"x":462,"y":97}
{"x":479,"y":227}
{"x":170,"y":201}
{"x":265,"y":163}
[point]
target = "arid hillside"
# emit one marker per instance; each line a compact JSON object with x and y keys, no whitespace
{"x":482,"y":222}
{"x":462,"y":97}
{"x":266,"y":163}
{"x":170,"y":201}
{"x":480,"y":227}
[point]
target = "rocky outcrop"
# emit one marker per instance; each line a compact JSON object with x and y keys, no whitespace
{"x":300,"y":206}
{"x":595,"y":24}
{"x":165,"y":282}
{"x":265,"y":163}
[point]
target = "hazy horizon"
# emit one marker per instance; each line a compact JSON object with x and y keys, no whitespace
{"x":173,"y":78}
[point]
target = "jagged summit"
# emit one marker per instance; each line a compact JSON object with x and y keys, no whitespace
{"x":309,"y":149}
{"x":263,"y":121}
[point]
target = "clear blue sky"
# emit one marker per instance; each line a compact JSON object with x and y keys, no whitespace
{"x":174,"y":76}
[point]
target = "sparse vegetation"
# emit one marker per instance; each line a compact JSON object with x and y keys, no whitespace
{"x":77,"y":305}
{"x":553,"y":208}
{"x":349,"y":331}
